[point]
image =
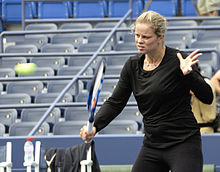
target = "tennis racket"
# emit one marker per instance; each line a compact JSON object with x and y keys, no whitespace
{"x":94,"y":91}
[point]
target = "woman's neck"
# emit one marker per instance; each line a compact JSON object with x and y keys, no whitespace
{"x":156,"y":56}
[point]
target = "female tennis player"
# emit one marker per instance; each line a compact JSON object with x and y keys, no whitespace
{"x":160,"y":78}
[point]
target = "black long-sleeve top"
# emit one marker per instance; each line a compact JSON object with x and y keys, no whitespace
{"x":163,"y":98}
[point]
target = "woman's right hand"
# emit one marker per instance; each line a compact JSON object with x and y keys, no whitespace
{"x":86,"y":135}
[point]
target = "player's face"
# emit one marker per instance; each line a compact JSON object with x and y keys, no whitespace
{"x":146,"y":40}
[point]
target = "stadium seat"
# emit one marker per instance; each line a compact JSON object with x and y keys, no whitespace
{"x":178,"y":44}
{"x":8,"y":117}
{"x":6,"y":157}
{"x":7,"y":72}
{"x":92,"y":47}
{"x":206,"y":44}
{"x":208,"y":35}
{"x":76,"y":114}
{"x":2,"y":129}
{"x":80,"y":61}
{"x":12,"y":11}
{"x":129,"y":37}
{"x":184,"y":36}
{"x":34,"y":115}
{"x":41,"y":26}
{"x":49,"y":10}
{"x":206,"y":70}
{"x":75,"y":25}
{"x":99,"y":37}
{"x":210,"y":58}
{"x":121,"y":127}
{"x":6,"y":62}
{"x":162,"y":6}
{"x":15,"y":98}
{"x":131,"y":113}
{"x":50,"y":97}
{"x":119,"y":35}
{"x":23,"y":129}
{"x":31,"y":88}
{"x":68,"y":127}
{"x":24,"y":48}
{"x":55,"y":48}
{"x":37,"y":40}
{"x":56,"y":86}
{"x":184,"y":23}
{"x":74,"y":39}
{"x":113,"y":70}
{"x":118,"y":8}
{"x":210,"y":22}
{"x":130,"y":46}
{"x":109,"y":85}
{"x":94,"y":9}
{"x":188,"y":8}
{"x":116,"y":59}
{"x":1,"y":88}
{"x":83,"y":96}
{"x":41,"y":71}
{"x":54,"y":62}
{"x":73,"y":70}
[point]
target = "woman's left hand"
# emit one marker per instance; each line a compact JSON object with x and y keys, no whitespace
{"x":187,"y":63}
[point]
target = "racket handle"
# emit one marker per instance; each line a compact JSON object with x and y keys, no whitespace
{"x":90,"y":126}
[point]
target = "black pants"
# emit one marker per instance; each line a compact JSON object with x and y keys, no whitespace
{"x":183,"y":157}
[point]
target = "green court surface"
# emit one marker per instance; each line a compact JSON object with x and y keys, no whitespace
{"x":127,"y":168}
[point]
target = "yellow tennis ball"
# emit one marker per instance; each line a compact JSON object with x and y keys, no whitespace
{"x":25,"y":68}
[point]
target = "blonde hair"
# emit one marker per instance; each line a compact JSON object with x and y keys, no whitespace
{"x":157,"y":22}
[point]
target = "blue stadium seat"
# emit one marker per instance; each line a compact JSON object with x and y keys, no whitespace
{"x":23,"y":129}
{"x":164,"y":7}
{"x":50,"y":9}
{"x":93,"y":9}
{"x":188,"y":8}
{"x":206,"y":70}
{"x":118,"y":8}
{"x":11,"y":10}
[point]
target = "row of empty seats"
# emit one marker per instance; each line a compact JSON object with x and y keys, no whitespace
{"x":67,"y":122}
{"x":11,"y":9}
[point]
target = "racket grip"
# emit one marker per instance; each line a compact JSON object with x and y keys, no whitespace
{"x":90,"y":126}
